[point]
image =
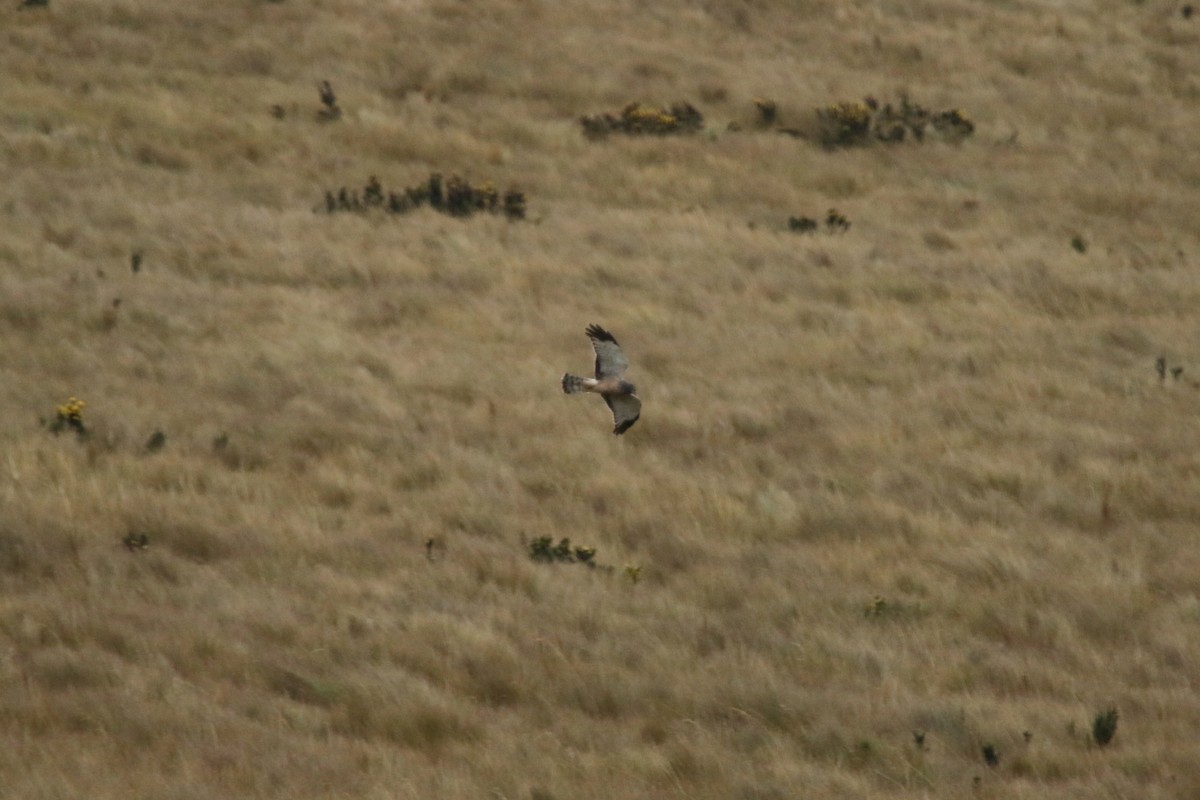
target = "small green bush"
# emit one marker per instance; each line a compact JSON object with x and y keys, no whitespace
{"x":544,"y":550}
{"x":456,"y":197}
{"x":1104,"y":726}
{"x":861,"y":122}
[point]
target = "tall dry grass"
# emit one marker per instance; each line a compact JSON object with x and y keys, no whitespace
{"x":920,"y":477}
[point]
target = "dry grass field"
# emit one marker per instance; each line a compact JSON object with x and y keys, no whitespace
{"x":899,"y":494}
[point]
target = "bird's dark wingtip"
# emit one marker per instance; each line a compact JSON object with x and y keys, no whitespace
{"x":594,"y":331}
{"x":626,"y":425}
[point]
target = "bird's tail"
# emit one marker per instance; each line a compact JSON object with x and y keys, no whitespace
{"x":573,"y":384}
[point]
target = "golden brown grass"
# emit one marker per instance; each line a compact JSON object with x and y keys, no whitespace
{"x":920,"y":476}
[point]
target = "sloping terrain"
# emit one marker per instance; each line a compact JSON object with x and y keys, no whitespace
{"x":911,"y":504}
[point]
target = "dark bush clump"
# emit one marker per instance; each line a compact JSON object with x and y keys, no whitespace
{"x":456,"y":197}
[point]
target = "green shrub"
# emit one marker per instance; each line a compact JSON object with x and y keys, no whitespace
{"x":1104,"y":726}
{"x":858,"y":123}
{"x":544,"y":550}
{"x":456,"y":197}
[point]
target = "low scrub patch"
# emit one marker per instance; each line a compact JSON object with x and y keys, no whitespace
{"x":454,"y":196}
{"x":636,"y":119}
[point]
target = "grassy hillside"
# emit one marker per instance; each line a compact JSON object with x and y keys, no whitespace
{"x":899,"y":494}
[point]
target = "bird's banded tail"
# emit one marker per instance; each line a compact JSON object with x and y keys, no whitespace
{"x":572,"y":384}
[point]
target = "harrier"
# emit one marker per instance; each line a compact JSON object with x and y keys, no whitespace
{"x":611,"y":364}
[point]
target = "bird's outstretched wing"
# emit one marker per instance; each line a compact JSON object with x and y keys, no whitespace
{"x":610,"y":360}
{"x":626,"y":408}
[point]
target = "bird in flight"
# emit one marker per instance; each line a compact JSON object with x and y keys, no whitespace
{"x":609,"y":382}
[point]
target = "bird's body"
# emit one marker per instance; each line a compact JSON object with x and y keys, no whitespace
{"x":618,"y":393}
{"x":573,"y":384}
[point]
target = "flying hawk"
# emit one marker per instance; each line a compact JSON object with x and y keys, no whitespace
{"x":611,"y":364}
